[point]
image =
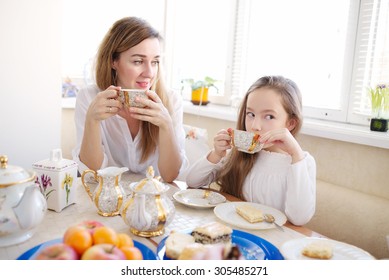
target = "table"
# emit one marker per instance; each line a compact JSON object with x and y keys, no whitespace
{"x":55,"y":224}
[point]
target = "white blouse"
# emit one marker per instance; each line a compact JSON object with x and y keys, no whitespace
{"x":273,"y":181}
{"x":119,"y":148}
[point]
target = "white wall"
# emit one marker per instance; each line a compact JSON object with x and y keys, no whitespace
{"x":30,"y":79}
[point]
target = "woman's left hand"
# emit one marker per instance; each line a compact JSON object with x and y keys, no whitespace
{"x":284,"y":140}
{"x":154,"y":111}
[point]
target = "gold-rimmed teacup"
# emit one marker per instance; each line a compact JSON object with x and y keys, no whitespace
{"x":128,"y":96}
{"x":245,"y":141}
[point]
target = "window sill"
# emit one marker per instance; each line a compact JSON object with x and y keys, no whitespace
{"x":324,"y":129}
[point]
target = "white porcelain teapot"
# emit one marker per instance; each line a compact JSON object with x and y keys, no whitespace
{"x":148,"y":210}
{"x":22,"y":205}
{"x":109,"y":194}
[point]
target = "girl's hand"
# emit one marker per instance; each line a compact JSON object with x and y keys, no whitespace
{"x":221,"y":143}
{"x":154,"y":112}
{"x":105,"y":104}
{"x":283,"y":140}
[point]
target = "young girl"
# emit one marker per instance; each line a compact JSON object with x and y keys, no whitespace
{"x":281,"y":175}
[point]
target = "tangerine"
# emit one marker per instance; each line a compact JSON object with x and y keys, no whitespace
{"x":132,"y":253}
{"x":125,"y":240}
{"x":79,"y":238}
{"x":105,"y":235}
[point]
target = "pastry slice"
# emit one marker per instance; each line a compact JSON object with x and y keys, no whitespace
{"x":317,"y":250}
{"x":212,"y":233}
{"x":249,"y":213}
{"x":176,"y":242}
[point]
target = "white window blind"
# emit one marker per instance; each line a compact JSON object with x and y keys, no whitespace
{"x":332,"y":49}
{"x":371,"y":57}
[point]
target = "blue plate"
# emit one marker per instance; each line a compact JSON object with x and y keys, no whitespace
{"x":148,"y":254}
{"x":252,"y":247}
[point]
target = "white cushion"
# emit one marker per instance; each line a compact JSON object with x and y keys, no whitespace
{"x":196,"y":145}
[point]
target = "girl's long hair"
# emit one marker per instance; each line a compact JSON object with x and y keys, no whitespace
{"x":238,"y":165}
{"x":123,"y":35}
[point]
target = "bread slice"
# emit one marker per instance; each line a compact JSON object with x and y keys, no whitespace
{"x":318,"y":250}
{"x":176,"y":242}
{"x":211,"y":233}
{"x":249,"y":213}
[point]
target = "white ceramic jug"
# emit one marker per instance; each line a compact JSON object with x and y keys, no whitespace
{"x":108,"y":195}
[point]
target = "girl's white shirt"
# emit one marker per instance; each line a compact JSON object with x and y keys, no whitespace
{"x":119,"y":148}
{"x":273,"y":181}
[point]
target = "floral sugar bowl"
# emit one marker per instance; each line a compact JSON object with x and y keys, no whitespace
{"x":148,"y":210}
{"x":57,"y":179}
{"x":22,"y":205}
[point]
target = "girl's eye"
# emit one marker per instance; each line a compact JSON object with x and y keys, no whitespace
{"x":269,"y":117}
{"x":155,"y":63}
{"x":250,"y":115}
{"x":138,"y":62}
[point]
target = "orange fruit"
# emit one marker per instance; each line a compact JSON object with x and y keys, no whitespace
{"x":105,"y":235}
{"x":125,"y":240}
{"x":132,"y":253}
{"x":79,"y":238}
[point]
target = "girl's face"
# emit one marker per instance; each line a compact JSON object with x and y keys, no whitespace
{"x":137,"y":67}
{"x":265,"y":112}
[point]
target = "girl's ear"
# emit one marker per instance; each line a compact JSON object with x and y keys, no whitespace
{"x":291,"y":124}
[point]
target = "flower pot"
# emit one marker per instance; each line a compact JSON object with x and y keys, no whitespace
{"x":379,"y":125}
{"x":200,"y":96}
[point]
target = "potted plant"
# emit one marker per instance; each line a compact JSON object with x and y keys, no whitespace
{"x":200,"y":90}
{"x":379,"y":97}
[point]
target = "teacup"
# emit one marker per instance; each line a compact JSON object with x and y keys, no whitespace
{"x":245,"y":141}
{"x":127,"y":96}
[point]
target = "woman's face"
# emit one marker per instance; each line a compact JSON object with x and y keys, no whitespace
{"x":137,"y":68}
{"x":265,"y":112}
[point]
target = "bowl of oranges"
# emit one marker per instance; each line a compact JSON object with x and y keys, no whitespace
{"x":90,"y":240}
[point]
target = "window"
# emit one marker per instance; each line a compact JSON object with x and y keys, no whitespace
{"x":332,"y":49}
{"x":84,"y":24}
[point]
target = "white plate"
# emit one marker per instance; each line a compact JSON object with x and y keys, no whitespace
{"x":291,"y":250}
{"x":199,"y":198}
{"x":227,"y":213}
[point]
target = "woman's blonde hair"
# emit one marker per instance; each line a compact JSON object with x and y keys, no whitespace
{"x":238,"y":165}
{"x":123,"y":35}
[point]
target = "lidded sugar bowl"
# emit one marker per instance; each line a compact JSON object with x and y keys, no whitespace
{"x":22,"y":205}
{"x":148,"y":210}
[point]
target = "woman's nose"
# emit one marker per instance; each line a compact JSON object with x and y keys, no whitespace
{"x":148,"y":70}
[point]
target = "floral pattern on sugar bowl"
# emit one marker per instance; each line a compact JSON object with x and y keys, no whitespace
{"x":56,"y":180}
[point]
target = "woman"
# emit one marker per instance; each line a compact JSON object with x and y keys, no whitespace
{"x":112,"y":134}
{"x":282,"y":175}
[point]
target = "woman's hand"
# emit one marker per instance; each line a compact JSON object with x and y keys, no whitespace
{"x":104,"y":105}
{"x":282,"y":139}
{"x":154,"y":112}
{"x":221,"y":143}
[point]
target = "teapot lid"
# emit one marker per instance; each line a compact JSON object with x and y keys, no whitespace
{"x":55,"y":162}
{"x":13,"y":175}
{"x":112,"y":171}
{"x":150,"y":184}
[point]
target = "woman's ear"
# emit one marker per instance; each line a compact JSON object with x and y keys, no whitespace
{"x":113,"y":65}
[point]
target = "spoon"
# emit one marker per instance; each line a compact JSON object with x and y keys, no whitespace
{"x":269,"y":218}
